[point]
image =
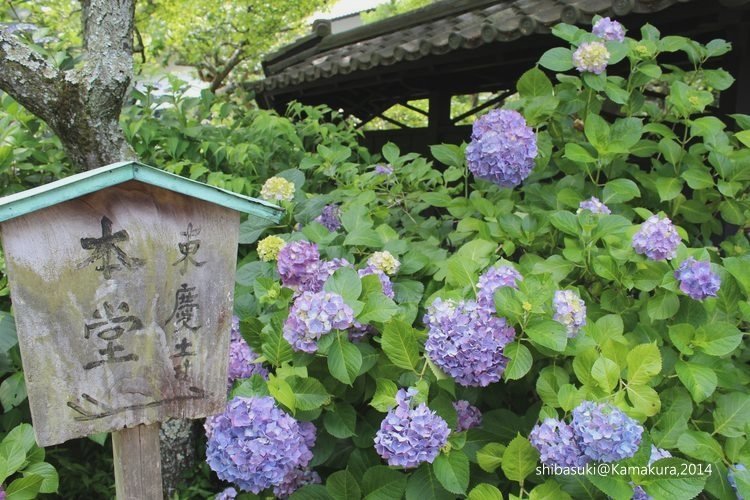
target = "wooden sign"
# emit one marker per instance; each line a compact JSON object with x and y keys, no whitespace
{"x":123,"y":302}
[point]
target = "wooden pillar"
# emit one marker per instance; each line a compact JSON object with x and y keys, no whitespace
{"x":438,"y":116}
{"x":736,"y":99}
{"x":137,"y":463}
{"x":742,"y":85}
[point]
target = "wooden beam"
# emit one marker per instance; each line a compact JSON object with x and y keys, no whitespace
{"x":482,"y":106}
{"x":414,"y":108}
{"x":137,"y":463}
{"x":391,"y":120}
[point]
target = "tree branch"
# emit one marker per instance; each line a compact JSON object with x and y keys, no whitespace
{"x":27,"y":77}
{"x":237,"y":57}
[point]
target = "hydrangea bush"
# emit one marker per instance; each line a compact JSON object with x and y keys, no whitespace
{"x":569,"y":288}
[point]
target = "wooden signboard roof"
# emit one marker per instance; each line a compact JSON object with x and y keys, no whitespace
{"x":90,"y":181}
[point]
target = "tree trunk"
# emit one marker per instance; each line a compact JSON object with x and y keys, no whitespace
{"x":82,"y":106}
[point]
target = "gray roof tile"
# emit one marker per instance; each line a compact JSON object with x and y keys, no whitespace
{"x":440,"y":28}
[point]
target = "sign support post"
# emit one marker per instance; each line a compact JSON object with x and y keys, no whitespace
{"x":137,"y":463}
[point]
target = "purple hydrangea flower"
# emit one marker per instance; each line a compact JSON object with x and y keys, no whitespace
{"x":640,"y":494}
{"x":309,"y":433}
{"x":696,"y":279}
{"x":591,"y":57}
{"x":467,"y":416}
{"x":493,"y":278}
{"x":313,"y":315}
{"x":556,"y":443}
{"x":609,"y":30}
{"x":502,"y":148}
{"x":383,"y":169}
{"x":604,"y":432}
{"x":657,"y":239}
{"x":385,"y":280}
{"x":241,"y":356}
{"x":254,"y":444}
{"x":228,"y":494}
{"x":294,"y":481}
{"x":294,"y":261}
{"x":358,"y":332}
{"x":570,"y":310}
{"x":330,"y":218}
{"x":466,"y":341}
{"x":318,"y":273}
{"x":410,"y":436}
{"x":594,"y":206}
{"x":656,"y":454}
{"x":733,"y":481}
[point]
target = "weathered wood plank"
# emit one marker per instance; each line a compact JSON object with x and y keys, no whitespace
{"x":137,"y":463}
{"x":123,"y":302}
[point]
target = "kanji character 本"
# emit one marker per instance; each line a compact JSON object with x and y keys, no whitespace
{"x":102,"y":249}
{"x":189,"y":248}
{"x":185,"y":313}
{"x":111,"y":325}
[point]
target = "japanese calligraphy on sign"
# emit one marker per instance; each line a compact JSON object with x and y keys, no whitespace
{"x":126,"y":304}
{"x":189,"y":248}
{"x":104,"y":248}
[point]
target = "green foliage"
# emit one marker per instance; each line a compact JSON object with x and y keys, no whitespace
{"x":643,"y":144}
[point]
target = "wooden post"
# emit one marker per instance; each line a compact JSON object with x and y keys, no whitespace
{"x":137,"y":463}
{"x":439,"y":116}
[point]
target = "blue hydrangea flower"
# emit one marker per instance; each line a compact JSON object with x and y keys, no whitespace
{"x":640,"y":494}
{"x":318,"y":273}
{"x":228,"y":494}
{"x":313,"y":315}
{"x":609,"y":30}
{"x":591,"y":57}
{"x":557,"y":444}
{"x":330,"y":218}
{"x":254,"y":444}
{"x":570,"y":310}
{"x":410,"y":436}
{"x":493,"y":278}
{"x":467,"y":416}
{"x":241,"y":356}
{"x":604,"y":432}
{"x":594,"y":206}
{"x":502,"y":148}
{"x":466,"y":341}
{"x":383,"y":169}
{"x":385,"y":280}
{"x":359,"y":332}
{"x":294,"y":481}
{"x":657,"y":239}
{"x":295,"y":260}
{"x":656,"y":454}
{"x":733,"y":481}
{"x":696,"y":279}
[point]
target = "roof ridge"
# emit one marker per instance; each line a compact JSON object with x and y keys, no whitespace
{"x":428,"y":13}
